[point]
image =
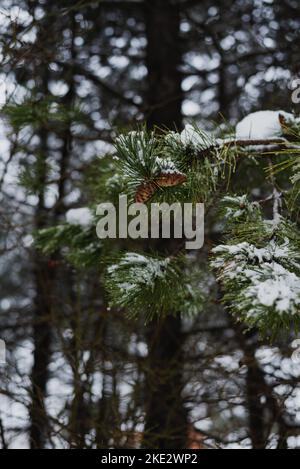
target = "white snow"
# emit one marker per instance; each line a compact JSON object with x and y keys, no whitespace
{"x":262,"y":125}
{"x":165,"y":166}
{"x":245,"y":252}
{"x":114,"y":182}
{"x":200,"y":140}
{"x":296,"y":177}
{"x":192,"y":137}
{"x":80,"y":217}
{"x":281,"y":290}
{"x":140,"y":142}
{"x":238,"y":206}
{"x":140,"y":271}
{"x":264,"y":273}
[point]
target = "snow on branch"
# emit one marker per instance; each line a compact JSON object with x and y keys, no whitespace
{"x":261,"y":284}
{"x":152,"y":286}
{"x":80,"y":217}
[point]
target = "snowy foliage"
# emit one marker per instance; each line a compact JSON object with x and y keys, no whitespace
{"x":295,"y":180}
{"x":259,"y":266}
{"x":80,"y":216}
{"x":165,"y":166}
{"x":273,"y":287}
{"x":296,"y":176}
{"x":79,"y":244}
{"x":262,"y":284}
{"x":114,"y":182}
{"x":149,"y":286}
{"x":248,"y":254}
{"x":235,"y":207}
{"x":143,"y":157}
{"x":143,"y":270}
{"x":195,"y":138}
{"x":140,"y":283}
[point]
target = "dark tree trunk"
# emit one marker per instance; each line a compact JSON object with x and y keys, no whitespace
{"x":44,"y":268}
{"x":166,"y":419}
{"x":255,"y":390}
{"x":43,"y":277}
{"x":262,"y":415}
{"x":164,"y":94}
{"x":263,"y":408}
{"x":43,"y":271}
{"x":41,"y":356}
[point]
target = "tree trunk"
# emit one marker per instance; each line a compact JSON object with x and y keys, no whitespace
{"x":166,"y":419}
{"x":43,"y":277}
{"x":41,"y":356}
{"x":255,"y":391}
{"x":45,"y":267}
{"x":260,"y":402}
{"x":163,"y":59}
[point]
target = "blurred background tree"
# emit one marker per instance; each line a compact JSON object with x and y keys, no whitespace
{"x":74,"y":74}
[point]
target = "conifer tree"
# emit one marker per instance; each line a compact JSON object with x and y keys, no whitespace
{"x":256,"y":265}
{"x":91,"y":300}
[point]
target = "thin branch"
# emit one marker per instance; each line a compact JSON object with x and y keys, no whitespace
{"x":79,"y":70}
{"x":271,"y":145}
{"x":2,"y":436}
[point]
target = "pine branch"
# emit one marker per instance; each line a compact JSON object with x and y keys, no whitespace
{"x":153,"y":286}
{"x":260,"y":275}
{"x":272,"y":145}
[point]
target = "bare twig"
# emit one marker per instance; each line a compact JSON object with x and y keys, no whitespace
{"x":2,"y":436}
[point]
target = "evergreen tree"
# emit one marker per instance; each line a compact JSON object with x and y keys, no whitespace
{"x":135,"y":344}
{"x":257,"y":268}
